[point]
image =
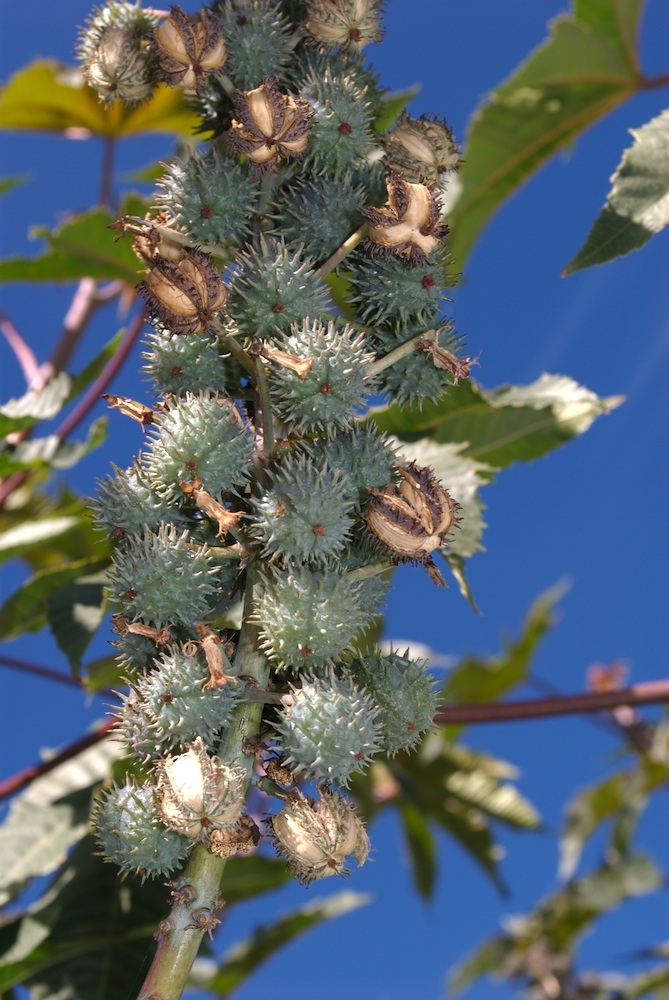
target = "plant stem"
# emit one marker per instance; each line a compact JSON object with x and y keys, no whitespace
{"x":179,"y":936}
{"x":408,"y":347}
{"x":338,"y":256}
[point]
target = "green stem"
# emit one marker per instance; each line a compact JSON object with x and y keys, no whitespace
{"x":264,"y":409}
{"x":338,"y":256}
{"x":373,"y":569}
{"x":197,"y":890}
{"x":408,"y":347}
{"x":232,"y":345}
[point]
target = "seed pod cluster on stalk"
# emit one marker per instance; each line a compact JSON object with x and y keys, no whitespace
{"x":296,"y":267}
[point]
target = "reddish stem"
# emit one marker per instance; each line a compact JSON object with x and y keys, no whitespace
{"x":38,"y":671}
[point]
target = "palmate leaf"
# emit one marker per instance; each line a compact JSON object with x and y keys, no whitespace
{"x":637,"y":206}
{"x":586,"y":67}
{"x":75,"y":613}
{"x":83,"y":246}
{"x":244,"y":958}
{"x":52,"y":451}
{"x":47,"y":96}
{"x":50,"y":816}
{"x":502,"y":426}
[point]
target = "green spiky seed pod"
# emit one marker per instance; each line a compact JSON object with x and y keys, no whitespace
{"x":388,"y":288}
{"x":316,"y":836}
{"x":405,"y":694}
{"x":114,"y":53}
{"x":341,"y":136}
{"x":160,"y":580}
{"x":189,"y":363}
{"x":173,"y":704}
{"x":135,"y":653}
{"x":325,"y":399}
{"x":307,"y":515}
{"x":415,"y":378}
{"x":259,"y":40}
{"x":321,"y":213}
{"x":200,"y":438}
{"x":210,"y":196}
{"x":199,"y":793}
{"x":126,"y":503}
{"x":329,"y":730}
{"x":362,"y":454}
{"x":315,"y":64}
{"x":309,"y":618}
{"x":131,"y":835}
{"x":274,"y":289}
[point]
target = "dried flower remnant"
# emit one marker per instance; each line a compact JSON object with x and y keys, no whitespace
{"x":408,"y":225}
{"x":344,"y":24}
{"x":269,"y":125}
{"x":199,"y":793}
{"x":120,"y":67}
{"x":188,"y":52}
{"x":184,"y":295}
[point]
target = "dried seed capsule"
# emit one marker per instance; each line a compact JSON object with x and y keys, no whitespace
{"x":121,"y":67}
{"x":199,"y":793}
{"x":345,"y":24}
{"x":420,"y":149}
{"x":269,"y":125}
{"x":185,"y":295}
{"x":413,"y":519}
{"x":187,"y":53}
{"x":409,"y":224}
{"x":316,"y":836}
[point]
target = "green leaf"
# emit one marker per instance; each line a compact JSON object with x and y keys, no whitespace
{"x":103,"y":674}
{"x":82,"y":247}
{"x":52,"y":451}
{"x":637,"y":206}
{"x":26,"y":610}
{"x":421,"y":847}
{"x":244,"y":958}
{"x":75,"y":613}
{"x":49,"y":817}
{"x":95,"y":367}
{"x":586,"y":67}
{"x":486,"y":960}
{"x":7,"y":183}
{"x":502,"y":426}
{"x":99,"y":932}
{"x":392,"y":105}
{"x":484,"y":679}
{"x":47,"y":96}
{"x":30,"y":533}
{"x":249,"y":876}
{"x":40,"y":404}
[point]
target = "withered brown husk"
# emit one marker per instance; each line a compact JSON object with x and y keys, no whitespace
{"x":185,"y":295}
{"x":269,"y":125}
{"x":187,"y":53}
{"x":409,"y":225}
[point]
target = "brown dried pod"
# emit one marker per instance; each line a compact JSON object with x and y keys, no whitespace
{"x":408,"y":225}
{"x":344,"y":24}
{"x":414,"y":518}
{"x":420,"y":149}
{"x":188,"y":52}
{"x":185,"y":295}
{"x":269,"y":125}
{"x":121,"y":67}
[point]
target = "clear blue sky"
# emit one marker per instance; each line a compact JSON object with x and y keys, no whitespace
{"x":593,"y":512}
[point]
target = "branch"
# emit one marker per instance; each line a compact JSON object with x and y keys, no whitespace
{"x":38,"y":671}
{"x":540,"y":708}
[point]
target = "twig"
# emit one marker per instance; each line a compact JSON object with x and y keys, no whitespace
{"x":38,"y":671}
{"x":24,"y":355}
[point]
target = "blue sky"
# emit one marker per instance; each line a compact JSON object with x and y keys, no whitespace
{"x":593,"y":513}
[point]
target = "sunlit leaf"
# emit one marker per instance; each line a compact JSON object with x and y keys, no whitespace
{"x":244,"y":958}
{"x":34,"y":533}
{"x":52,"y":451}
{"x":637,"y":206}
{"x":502,"y":426}
{"x":47,"y":96}
{"x":586,"y":67}
{"x":40,"y":404}
{"x":50,"y":816}
{"x":26,"y":610}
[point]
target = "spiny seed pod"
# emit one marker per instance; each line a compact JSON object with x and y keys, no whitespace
{"x":185,"y":295}
{"x":316,"y":836}
{"x":199,"y":793}
{"x":187,"y":53}
{"x":413,"y":519}
{"x":269,"y":125}
{"x":199,"y":439}
{"x":309,"y":618}
{"x":408,"y":225}
{"x":342,"y":137}
{"x":405,"y":695}
{"x":131,"y":835}
{"x":328,"y":731}
{"x":126,"y":503}
{"x":362,"y":454}
{"x":306,"y":516}
{"x":344,"y":24}
{"x":190,"y":362}
{"x":121,"y":68}
{"x":161,"y":579}
{"x":259,"y":38}
{"x":420,"y":149}
{"x":385,"y":289}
